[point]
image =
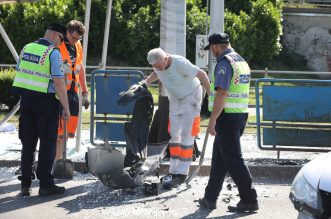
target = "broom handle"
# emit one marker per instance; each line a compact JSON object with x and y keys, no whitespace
{"x":65,"y":139}
{"x":202,"y":156}
{"x":64,"y":153}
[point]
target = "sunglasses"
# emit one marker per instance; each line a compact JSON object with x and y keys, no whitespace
{"x":75,"y":38}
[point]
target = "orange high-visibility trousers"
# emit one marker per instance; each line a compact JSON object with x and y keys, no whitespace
{"x":71,"y":127}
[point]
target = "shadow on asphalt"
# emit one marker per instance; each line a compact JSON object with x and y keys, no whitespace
{"x":12,"y":203}
{"x":200,"y":213}
{"x":203,"y":213}
{"x":95,"y":195}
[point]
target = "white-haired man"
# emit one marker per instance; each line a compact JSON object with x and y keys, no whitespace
{"x":182,"y":81}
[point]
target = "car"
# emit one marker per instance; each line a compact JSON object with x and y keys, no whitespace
{"x":311,"y":189}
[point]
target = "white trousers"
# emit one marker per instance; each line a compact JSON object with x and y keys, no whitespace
{"x":182,"y":114}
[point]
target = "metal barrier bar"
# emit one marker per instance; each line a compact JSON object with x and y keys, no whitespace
{"x":15,"y":55}
{"x":280,"y":130}
{"x":265,"y":71}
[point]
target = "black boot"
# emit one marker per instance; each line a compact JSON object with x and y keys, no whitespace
{"x":172,"y":180}
{"x":25,"y":191}
{"x":51,"y":190}
{"x":243,"y":207}
{"x":207,"y":204}
{"x":166,"y":181}
{"x":25,"y":187}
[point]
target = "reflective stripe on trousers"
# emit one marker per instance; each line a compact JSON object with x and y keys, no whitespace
{"x":182,"y":114}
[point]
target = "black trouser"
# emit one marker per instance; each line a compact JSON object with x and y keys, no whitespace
{"x":38,"y":120}
{"x":227,"y":158}
{"x":73,"y":101}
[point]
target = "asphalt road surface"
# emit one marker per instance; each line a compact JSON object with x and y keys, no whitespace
{"x":87,"y":197}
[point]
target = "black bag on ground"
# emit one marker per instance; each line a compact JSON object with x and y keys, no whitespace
{"x":137,"y":130}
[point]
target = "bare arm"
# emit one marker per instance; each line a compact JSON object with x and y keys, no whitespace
{"x":151,"y":78}
{"x":82,"y":79}
{"x":219,"y":103}
{"x":203,"y":77}
{"x":61,"y":91}
{"x":83,"y":84}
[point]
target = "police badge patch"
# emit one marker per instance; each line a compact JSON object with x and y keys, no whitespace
{"x":244,"y":79}
{"x":221,"y":71}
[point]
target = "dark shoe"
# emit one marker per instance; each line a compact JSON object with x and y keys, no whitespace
{"x":51,"y":190}
{"x":166,"y":181}
{"x":243,"y":207}
{"x":178,"y":179}
{"x":172,"y":180}
{"x":207,"y":204}
{"x":25,"y":191}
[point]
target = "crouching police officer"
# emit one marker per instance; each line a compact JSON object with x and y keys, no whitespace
{"x":39,"y":77}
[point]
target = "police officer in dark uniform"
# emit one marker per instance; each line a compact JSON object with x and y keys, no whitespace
{"x":40,"y":82}
{"x":229,"y":113}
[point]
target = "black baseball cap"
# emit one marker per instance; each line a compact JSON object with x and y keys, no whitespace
{"x":217,"y":38}
{"x":58,"y":28}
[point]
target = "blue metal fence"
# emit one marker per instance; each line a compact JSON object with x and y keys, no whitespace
{"x":296,"y":114}
{"x":107,"y":118}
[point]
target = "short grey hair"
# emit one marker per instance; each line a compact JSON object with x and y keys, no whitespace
{"x":155,"y":55}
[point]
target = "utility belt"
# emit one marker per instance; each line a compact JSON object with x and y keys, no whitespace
{"x":233,"y":115}
{"x":29,"y":94}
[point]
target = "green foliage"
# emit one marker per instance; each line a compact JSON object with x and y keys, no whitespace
{"x":137,"y":31}
{"x":196,"y":3}
{"x":97,"y":25}
{"x":6,"y":82}
{"x":266,"y":23}
{"x":236,"y":6}
{"x":256,"y":36}
{"x":236,"y":27}
{"x":27,"y":22}
{"x":195,"y":25}
{"x":253,"y":25}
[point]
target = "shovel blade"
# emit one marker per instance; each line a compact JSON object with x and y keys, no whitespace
{"x":108,"y":166}
{"x":101,"y":161}
{"x":63,"y":169}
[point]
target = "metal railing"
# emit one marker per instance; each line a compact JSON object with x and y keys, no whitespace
{"x":308,"y":3}
{"x":264,"y":73}
{"x":147,"y":70}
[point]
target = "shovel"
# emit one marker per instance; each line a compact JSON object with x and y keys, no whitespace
{"x":202,"y":155}
{"x":63,"y":168}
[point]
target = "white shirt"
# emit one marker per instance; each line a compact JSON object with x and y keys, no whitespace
{"x":179,"y":78}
